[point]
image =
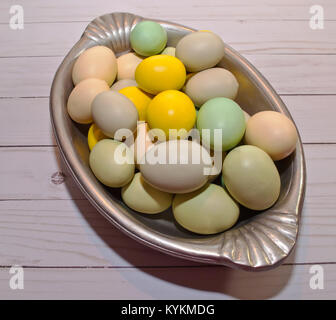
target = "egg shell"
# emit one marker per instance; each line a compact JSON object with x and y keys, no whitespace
{"x":183,"y":175}
{"x":105,"y":162}
{"x":211,"y":83}
{"x":127,"y":63}
{"x":247,"y":116}
{"x":95,"y":135}
{"x":171,"y":109}
{"x":170,"y":51}
{"x":208,"y":210}
{"x":148,"y":38}
{"x":142,"y":142}
{"x":251,"y":177}
{"x":140,"y":99}
{"x":142,"y":197}
{"x":273,"y":132}
{"x":200,"y":50}
{"x":111,"y":111}
{"x":96,"y":62}
{"x":225,"y":114}
{"x":79,"y":104}
{"x":124,"y":83}
{"x":159,"y":73}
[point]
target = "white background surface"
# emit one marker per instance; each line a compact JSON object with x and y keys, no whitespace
{"x":69,"y":250}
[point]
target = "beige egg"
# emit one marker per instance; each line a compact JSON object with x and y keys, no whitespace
{"x":112,"y":111}
{"x":208,"y":210}
{"x":112,"y":163}
{"x":127,"y":63}
{"x":124,"y":83}
{"x":142,"y":142}
{"x":273,"y":132}
{"x":251,"y":177}
{"x":96,"y":62}
{"x":211,"y":83}
{"x":170,"y":51}
{"x":176,"y":166}
{"x":142,"y":197}
{"x":247,"y":116}
{"x":80,"y":100}
{"x":200,"y":50}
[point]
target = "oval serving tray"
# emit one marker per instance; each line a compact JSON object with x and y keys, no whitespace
{"x":259,"y":241}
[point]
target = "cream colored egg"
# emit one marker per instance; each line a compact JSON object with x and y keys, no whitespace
{"x":80,"y":100}
{"x":251,"y":177}
{"x":112,"y":111}
{"x":208,"y":210}
{"x":127,"y":63}
{"x":142,"y":197}
{"x":112,"y":163}
{"x":247,"y":116}
{"x":273,"y":132}
{"x":170,"y":51}
{"x":200,"y":50}
{"x":211,"y":83}
{"x":142,"y":142}
{"x":96,"y":62}
{"x":176,"y":166}
{"x":121,"y":84}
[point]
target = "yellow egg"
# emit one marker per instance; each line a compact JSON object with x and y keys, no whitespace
{"x":95,"y":135}
{"x":139,"y":98}
{"x":159,"y":73}
{"x":171,"y":109}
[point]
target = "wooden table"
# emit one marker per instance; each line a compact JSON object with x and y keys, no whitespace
{"x":67,"y":249}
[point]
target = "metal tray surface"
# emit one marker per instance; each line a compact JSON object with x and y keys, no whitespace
{"x":260,"y":240}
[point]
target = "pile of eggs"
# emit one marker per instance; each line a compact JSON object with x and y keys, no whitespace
{"x":146,"y":103}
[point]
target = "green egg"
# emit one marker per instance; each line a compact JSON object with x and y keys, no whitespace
{"x":223,"y":114}
{"x":148,"y":38}
{"x":207,"y":210}
{"x":251,"y":177}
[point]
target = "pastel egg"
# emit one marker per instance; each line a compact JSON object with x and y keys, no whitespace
{"x":142,"y":142}
{"x":273,"y":132}
{"x":200,"y":50}
{"x":142,"y":197}
{"x":124,"y":83}
{"x":208,"y":210}
{"x":176,"y":166}
{"x":79,"y":104}
{"x":170,"y":51}
{"x":96,"y":62}
{"x":140,"y":99}
{"x":148,"y":38}
{"x":127,"y":63}
{"x":224,"y":116}
{"x":211,"y":83}
{"x":95,"y":135}
{"x":112,"y":111}
{"x":159,"y":73}
{"x":251,"y":177}
{"x":111,"y":165}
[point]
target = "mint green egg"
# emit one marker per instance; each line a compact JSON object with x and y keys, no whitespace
{"x":223,"y":114}
{"x":148,"y":38}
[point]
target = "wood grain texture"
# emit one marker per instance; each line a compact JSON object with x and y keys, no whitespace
{"x":67,"y":233}
{"x":247,"y":36}
{"x":288,"y":74}
{"x":206,"y":283}
{"x":198,"y":10}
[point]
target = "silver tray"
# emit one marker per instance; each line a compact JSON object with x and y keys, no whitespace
{"x":259,"y":241}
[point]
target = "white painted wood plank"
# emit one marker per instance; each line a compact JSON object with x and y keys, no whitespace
{"x":72,"y":233}
{"x":285,"y":282}
{"x":246,"y":36}
{"x":289,"y":74}
{"x":86,"y":10}
{"x":25,"y":121}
